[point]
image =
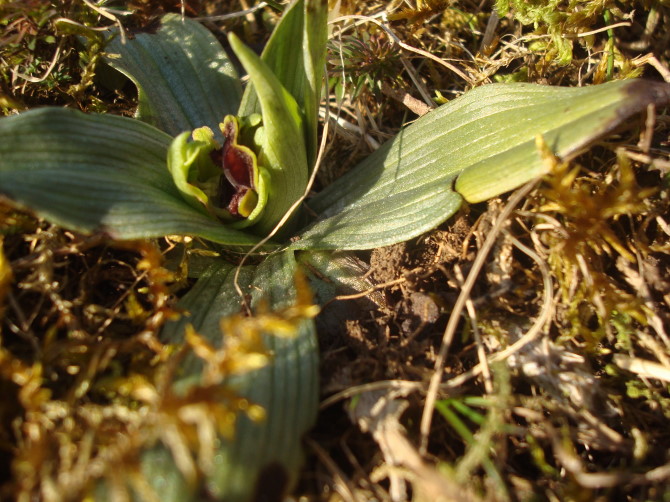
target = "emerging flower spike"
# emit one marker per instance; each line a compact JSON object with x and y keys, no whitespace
{"x":225,"y":181}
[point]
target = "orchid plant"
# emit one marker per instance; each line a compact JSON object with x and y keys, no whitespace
{"x":204,"y":158}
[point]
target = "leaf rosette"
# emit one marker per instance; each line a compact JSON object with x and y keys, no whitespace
{"x":206,"y":160}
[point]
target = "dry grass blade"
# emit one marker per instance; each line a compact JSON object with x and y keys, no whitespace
{"x":408,"y":47}
{"x":454,"y":318}
{"x":643,"y":368}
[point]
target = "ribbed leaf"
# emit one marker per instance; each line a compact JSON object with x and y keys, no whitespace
{"x":569,"y":119}
{"x":486,"y":139}
{"x":184,"y":77}
{"x":99,"y":173}
{"x":261,"y":454}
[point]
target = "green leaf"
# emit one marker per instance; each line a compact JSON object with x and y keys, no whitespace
{"x":569,"y":120}
{"x":260,"y":454}
{"x":283,"y":145}
{"x":183,"y":76}
{"x":99,"y":173}
{"x":314,"y":53}
{"x":304,"y":24}
{"x":161,"y":474}
{"x":282,"y":58}
{"x":484,"y":142}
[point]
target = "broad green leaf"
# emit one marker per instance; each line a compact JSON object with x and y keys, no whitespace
{"x":304,"y":24}
{"x":383,"y":218}
{"x":260,"y":454}
{"x":161,"y":474}
{"x":99,"y":173}
{"x":568,"y":118}
{"x":484,"y":142}
{"x":183,"y":76}
{"x":283,"y":146}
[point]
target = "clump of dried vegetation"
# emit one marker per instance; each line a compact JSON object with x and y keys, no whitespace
{"x":554,"y":384}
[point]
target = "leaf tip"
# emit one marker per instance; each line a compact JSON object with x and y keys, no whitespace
{"x":648,"y":92}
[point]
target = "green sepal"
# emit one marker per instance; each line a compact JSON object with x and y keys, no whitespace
{"x":282,"y":150}
{"x":197,"y":177}
{"x":184,"y":158}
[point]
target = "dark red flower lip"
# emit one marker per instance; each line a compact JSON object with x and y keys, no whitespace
{"x":238,"y":164}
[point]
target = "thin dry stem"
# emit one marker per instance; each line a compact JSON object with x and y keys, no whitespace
{"x":436,"y":379}
{"x":408,"y":47}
